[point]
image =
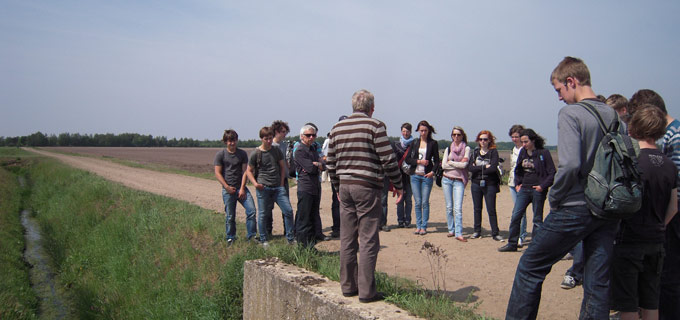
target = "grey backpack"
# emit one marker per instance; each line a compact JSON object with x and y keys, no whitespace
{"x":614,"y":188}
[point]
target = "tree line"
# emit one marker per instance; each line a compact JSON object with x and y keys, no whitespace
{"x":40,"y":139}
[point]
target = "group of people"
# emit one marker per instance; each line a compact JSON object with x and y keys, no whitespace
{"x":619,"y":262}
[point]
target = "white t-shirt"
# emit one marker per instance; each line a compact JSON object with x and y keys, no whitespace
{"x":421,"y":155}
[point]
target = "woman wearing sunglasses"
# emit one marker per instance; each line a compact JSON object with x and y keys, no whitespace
{"x":424,"y":155}
{"x":483,"y":167}
{"x":454,"y":164}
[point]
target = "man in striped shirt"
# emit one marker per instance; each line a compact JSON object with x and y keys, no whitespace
{"x":359,"y":158}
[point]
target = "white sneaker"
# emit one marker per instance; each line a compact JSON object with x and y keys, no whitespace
{"x":568,"y":283}
{"x":520,"y":243}
{"x":265,"y":244}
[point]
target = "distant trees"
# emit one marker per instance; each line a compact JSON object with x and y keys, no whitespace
{"x":39,"y":139}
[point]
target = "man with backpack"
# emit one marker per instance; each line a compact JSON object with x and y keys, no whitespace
{"x":267,"y":173}
{"x":570,"y":219}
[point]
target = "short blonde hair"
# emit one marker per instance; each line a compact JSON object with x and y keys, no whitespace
{"x":571,"y":67}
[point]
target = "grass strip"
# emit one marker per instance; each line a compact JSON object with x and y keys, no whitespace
{"x":122,"y":253}
{"x":17,"y":299}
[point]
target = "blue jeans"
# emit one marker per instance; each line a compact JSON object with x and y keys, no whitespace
{"x":576,"y":269}
{"x":524,"y":198}
{"x":421,"y":188}
{"x":561,"y":231}
{"x":487,"y":192}
{"x":453,"y":194}
{"x":404,"y":206}
{"x":230,"y":208}
{"x":522,"y":226}
{"x":265,"y":202}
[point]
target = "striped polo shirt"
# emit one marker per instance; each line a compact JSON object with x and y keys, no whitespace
{"x":359,"y":153}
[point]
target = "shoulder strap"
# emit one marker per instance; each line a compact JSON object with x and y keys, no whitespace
{"x":613,"y":126}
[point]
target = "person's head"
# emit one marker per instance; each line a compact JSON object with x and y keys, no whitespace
{"x":266,"y":135}
{"x":458,"y":135}
{"x":601,"y":98}
{"x":307,"y":134}
{"x":230,"y":138}
{"x":486,"y":140}
{"x":406,"y":130}
{"x":363,"y":101}
{"x":619,"y":103}
{"x":647,"y":123}
{"x":280,"y":129}
{"x":514,"y":134}
{"x":646,"y":96}
{"x":569,"y":74}
{"x":425,"y":130}
{"x":531,"y":140}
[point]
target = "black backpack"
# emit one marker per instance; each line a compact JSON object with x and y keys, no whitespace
{"x":614,"y":187}
{"x":290,"y":159}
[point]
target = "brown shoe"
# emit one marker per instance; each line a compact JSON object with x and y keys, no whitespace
{"x":461,"y":239}
{"x":450,"y":235}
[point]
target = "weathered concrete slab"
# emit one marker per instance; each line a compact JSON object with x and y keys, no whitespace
{"x":275,"y":290}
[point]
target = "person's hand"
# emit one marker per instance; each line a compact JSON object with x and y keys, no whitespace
{"x":423,"y":162}
{"x":259,"y":186}
{"x":429,"y":174}
{"x":518,"y":187}
{"x":230,"y":189}
{"x":242,"y":194}
{"x":538,"y":188}
{"x":399,"y":193}
{"x":487,"y":166}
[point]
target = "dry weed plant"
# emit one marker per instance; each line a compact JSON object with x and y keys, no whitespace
{"x":438,"y":259}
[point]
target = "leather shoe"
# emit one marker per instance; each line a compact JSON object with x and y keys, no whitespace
{"x":508,"y":248}
{"x":377,"y":297}
{"x":350,"y":294}
{"x":461,"y":239}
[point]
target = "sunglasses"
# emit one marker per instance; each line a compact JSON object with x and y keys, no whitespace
{"x":483,"y":139}
{"x":456,"y":134}
{"x":309,"y":135}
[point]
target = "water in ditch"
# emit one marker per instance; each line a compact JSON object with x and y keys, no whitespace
{"x":52,"y":304}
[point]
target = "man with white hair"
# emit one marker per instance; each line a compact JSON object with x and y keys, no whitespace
{"x":359,"y":158}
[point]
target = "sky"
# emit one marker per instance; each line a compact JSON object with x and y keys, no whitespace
{"x":195,"y":68}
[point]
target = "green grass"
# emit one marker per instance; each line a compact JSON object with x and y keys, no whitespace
{"x":121,"y":253}
{"x":17,"y":299}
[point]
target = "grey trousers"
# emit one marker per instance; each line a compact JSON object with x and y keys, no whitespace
{"x":360,"y":213}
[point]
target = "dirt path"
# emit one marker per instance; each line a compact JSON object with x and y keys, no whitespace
{"x":475,"y":270}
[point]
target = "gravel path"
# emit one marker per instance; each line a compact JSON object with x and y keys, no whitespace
{"x":475,"y":271}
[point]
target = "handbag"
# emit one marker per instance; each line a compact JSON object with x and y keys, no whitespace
{"x":438,"y":173}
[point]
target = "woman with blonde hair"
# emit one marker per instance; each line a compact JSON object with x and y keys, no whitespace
{"x":454,"y":165}
{"x":483,"y":166}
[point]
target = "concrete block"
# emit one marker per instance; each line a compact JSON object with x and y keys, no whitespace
{"x":275,"y":290}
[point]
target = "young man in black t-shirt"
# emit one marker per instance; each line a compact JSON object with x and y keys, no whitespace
{"x":639,"y":252}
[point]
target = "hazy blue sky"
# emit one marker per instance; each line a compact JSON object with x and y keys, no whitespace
{"x":195,"y":68}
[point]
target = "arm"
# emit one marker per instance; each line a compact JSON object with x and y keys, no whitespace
{"x":331,"y":162}
{"x":242,"y":191}
{"x":519,"y":170}
{"x":446,"y":163}
{"x":250,"y":174}
{"x":220,"y":178}
{"x":414,"y":150}
{"x":550,"y":169}
{"x":283,"y":172}
{"x":569,"y":155}
{"x":462,"y":164}
{"x":472,"y":167}
{"x":433,"y":147}
{"x":672,"y":208}
{"x":304,"y":160}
